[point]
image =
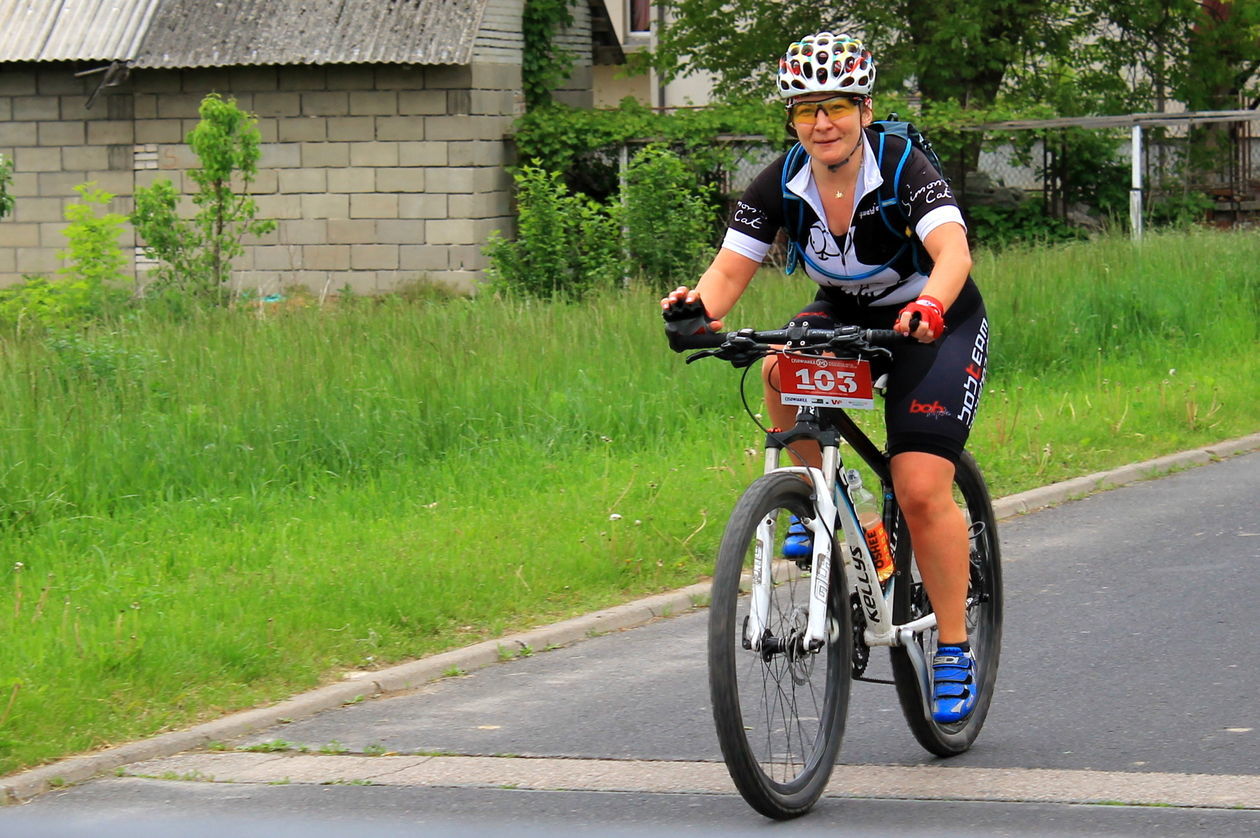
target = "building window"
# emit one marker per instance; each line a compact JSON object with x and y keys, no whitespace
{"x":640,"y":16}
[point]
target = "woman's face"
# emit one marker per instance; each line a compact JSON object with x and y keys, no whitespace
{"x":829,"y":125}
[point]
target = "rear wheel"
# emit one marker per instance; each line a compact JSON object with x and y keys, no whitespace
{"x":780,"y":709}
{"x":984,"y":618}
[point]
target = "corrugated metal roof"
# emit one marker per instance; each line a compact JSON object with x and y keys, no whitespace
{"x":218,"y":33}
{"x":72,"y":30}
{"x":202,"y":33}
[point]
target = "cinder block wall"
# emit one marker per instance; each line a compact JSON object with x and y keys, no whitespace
{"x":376,"y":175}
{"x":57,"y":143}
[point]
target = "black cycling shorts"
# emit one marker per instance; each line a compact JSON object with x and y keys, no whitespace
{"x":933,"y":388}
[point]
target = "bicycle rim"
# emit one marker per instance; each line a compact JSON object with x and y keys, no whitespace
{"x":984,"y":618}
{"x":779,"y":715}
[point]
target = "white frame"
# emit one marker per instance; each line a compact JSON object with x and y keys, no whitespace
{"x":832,"y":501}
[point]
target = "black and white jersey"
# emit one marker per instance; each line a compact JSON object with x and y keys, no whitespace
{"x":870,"y":261}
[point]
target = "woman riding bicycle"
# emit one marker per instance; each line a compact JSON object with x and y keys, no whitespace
{"x":872,"y":275}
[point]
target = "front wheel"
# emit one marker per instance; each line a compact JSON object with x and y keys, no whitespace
{"x":779,"y":709}
{"x":984,"y":618}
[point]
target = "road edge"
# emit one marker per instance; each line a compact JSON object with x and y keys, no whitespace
{"x":356,"y":687}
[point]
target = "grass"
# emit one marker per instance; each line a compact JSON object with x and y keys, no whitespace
{"x":202,"y":516}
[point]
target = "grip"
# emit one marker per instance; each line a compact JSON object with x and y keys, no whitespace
{"x":692,"y":334}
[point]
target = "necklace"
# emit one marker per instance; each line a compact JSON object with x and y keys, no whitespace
{"x":839,"y":194}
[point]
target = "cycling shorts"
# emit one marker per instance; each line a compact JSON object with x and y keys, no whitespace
{"x":933,"y":388}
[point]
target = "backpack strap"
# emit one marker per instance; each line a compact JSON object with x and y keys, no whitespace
{"x":893,"y":201}
{"x":793,"y":205}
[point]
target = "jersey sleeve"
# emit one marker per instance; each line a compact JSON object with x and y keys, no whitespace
{"x":926,"y":197}
{"x":757,"y":215}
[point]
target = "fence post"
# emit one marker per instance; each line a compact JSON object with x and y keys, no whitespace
{"x":1135,"y":191}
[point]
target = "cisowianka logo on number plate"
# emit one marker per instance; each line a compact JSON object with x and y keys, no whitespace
{"x":826,"y":382}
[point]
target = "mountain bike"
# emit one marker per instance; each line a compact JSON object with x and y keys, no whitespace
{"x":786,"y":636}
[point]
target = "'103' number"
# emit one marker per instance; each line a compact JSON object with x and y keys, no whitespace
{"x":824,"y":380}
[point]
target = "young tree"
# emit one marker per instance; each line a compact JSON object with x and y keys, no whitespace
{"x":196,"y":255}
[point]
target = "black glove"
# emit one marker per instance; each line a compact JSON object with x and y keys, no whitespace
{"x":683,"y":321}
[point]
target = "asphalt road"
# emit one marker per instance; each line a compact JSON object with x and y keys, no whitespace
{"x":1128,"y":676}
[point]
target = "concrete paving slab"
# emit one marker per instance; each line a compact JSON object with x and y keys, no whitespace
{"x":922,"y":782}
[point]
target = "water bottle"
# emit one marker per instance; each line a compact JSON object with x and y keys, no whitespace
{"x":872,"y":523}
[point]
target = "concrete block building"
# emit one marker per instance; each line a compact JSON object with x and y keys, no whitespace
{"x":385,"y":124}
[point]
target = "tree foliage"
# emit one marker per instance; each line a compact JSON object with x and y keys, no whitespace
{"x":195,"y":255}
{"x":952,"y":49}
{"x":1087,"y":56}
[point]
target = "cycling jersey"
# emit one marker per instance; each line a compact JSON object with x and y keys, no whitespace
{"x":868,"y":273}
{"x":870,"y":261}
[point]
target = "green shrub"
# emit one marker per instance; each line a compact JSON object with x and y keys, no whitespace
{"x":566,"y":245}
{"x":585,"y":143}
{"x":1180,"y":210}
{"x":93,"y":282}
{"x":6,"y":178}
{"x":669,"y":220}
{"x":999,"y":227}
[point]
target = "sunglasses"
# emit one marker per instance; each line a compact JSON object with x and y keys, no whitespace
{"x":837,"y":107}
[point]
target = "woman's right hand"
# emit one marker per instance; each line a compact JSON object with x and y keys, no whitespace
{"x":684,"y":303}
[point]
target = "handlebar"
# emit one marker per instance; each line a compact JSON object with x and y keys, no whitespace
{"x":747,"y":345}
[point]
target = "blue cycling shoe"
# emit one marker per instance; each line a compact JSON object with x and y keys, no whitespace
{"x":799,"y":543}
{"x":953,"y":684}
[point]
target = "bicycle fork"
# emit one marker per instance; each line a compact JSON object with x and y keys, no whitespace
{"x":832,"y":507}
{"x":820,"y":526}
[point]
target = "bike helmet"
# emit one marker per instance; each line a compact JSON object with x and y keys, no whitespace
{"x":826,"y":63}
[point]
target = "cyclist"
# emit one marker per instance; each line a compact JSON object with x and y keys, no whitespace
{"x":868,"y":274}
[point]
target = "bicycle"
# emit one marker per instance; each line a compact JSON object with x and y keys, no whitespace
{"x":782,"y":657}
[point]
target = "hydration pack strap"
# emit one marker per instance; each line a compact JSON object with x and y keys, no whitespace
{"x":804,"y":256}
{"x":796,"y":254}
{"x":795,"y":159}
{"x":886,"y":203}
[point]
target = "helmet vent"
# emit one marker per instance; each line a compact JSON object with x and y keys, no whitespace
{"x":824,"y":62}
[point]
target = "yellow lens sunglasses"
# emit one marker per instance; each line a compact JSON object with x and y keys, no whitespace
{"x":837,"y":107}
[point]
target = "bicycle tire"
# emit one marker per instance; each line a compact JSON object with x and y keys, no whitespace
{"x":984,"y":618}
{"x":779,"y":740}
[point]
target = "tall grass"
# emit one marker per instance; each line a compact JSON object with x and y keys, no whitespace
{"x":1080,"y":304}
{"x":201,"y":516}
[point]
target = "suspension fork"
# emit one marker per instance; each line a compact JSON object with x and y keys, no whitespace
{"x":821,"y":524}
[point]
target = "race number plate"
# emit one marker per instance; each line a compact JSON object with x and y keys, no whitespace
{"x":826,"y":382}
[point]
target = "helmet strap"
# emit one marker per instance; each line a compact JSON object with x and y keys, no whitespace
{"x":835,"y":167}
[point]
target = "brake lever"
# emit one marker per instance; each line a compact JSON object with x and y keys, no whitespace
{"x":704,"y":353}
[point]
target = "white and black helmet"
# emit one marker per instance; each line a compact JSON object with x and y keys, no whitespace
{"x":826,"y":63}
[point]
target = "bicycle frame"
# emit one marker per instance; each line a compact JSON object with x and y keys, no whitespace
{"x":832,"y":503}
